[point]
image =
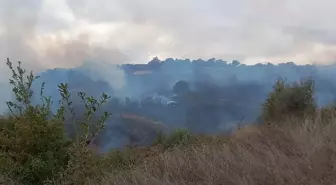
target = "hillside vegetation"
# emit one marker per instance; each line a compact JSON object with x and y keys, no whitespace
{"x":187,"y":93}
{"x":294,"y":144}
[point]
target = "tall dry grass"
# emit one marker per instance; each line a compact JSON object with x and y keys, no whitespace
{"x":297,"y":152}
{"x":293,"y":152}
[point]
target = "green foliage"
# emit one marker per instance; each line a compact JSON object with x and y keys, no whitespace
{"x":33,"y":144}
{"x":83,"y":165}
{"x":85,"y":130}
{"x":177,"y":138}
{"x":289,"y":100}
{"x":181,"y":87}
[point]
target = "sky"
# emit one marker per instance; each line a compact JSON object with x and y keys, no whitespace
{"x":65,"y":33}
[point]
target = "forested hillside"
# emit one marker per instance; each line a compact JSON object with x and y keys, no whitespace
{"x":174,"y":136}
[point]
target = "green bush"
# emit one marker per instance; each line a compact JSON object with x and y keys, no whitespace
{"x":32,"y":148}
{"x":289,"y":100}
{"x":33,"y":144}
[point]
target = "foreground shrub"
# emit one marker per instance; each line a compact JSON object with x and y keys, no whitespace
{"x":32,"y":148}
{"x":33,"y":144}
{"x":289,"y":100}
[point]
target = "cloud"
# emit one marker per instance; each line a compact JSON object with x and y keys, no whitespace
{"x":55,"y":33}
{"x":44,"y":34}
{"x":284,"y":30}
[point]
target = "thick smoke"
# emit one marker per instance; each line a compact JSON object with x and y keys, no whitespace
{"x":87,"y":43}
{"x":17,"y":23}
{"x":25,"y":36}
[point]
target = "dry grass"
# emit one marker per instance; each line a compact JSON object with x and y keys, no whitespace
{"x":293,"y":153}
{"x":301,"y":154}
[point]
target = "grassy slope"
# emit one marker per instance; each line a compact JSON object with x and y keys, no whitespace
{"x":301,"y":154}
{"x":297,"y":152}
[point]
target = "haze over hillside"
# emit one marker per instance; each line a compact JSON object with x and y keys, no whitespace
{"x":97,"y":47}
{"x":69,"y":33}
{"x":186,"y":94}
{"x":192,"y":87}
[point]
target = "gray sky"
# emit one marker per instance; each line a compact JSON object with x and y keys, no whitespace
{"x":63,"y":33}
